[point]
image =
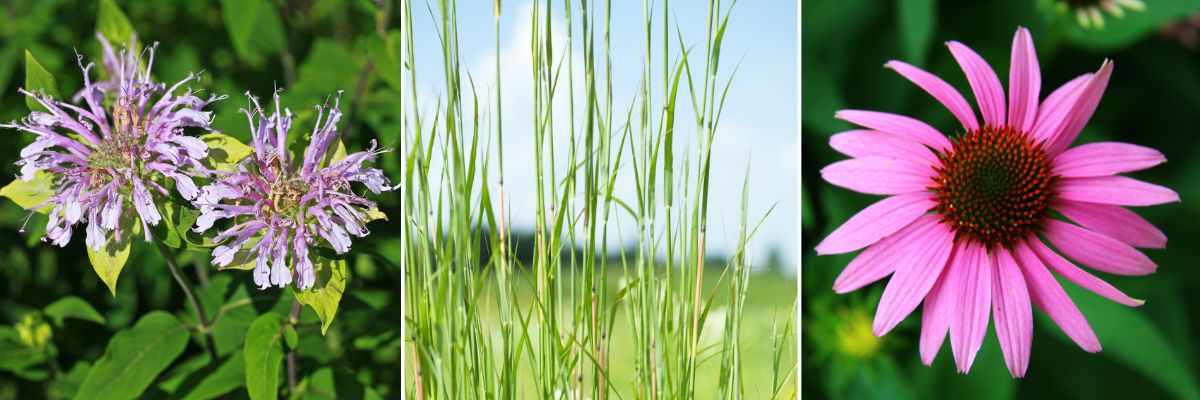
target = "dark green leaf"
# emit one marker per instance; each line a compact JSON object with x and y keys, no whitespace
{"x":264,"y":356}
{"x":135,"y":356}
{"x":112,"y":23}
{"x":38,"y":81}
{"x":72,"y":307}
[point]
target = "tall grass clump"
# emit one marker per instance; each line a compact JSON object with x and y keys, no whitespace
{"x":494,"y":324}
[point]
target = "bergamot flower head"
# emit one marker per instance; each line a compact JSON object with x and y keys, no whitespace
{"x":114,"y":155}
{"x":962,"y":229}
{"x":282,"y":205}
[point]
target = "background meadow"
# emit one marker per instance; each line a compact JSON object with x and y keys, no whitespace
{"x":1153,"y":100}
{"x":309,"y":48}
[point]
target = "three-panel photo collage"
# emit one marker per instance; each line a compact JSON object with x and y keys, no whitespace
{"x":852,"y":199}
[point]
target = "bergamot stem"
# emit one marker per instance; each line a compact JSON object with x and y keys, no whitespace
{"x":191,"y":295}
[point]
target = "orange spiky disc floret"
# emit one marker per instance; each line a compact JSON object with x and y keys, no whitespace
{"x":994,"y":186}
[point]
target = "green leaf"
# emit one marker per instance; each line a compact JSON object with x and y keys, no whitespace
{"x":327,"y":383}
{"x":38,"y":80}
{"x":72,"y":307}
{"x":386,"y":53}
{"x":179,"y":218}
{"x":31,"y":194}
{"x":67,"y":386}
{"x":326,"y":293}
{"x":264,"y":356}
{"x":110,"y":260}
{"x":214,"y":381}
{"x":135,"y":356}
{"x":14,"y":355}
{"x":224,"y":151}
{"x":112,"y":23}
{"x":917,"y":21}
{"x":8,"y":62}
{"x":254,"y":28}
{"x":1131,"y":338}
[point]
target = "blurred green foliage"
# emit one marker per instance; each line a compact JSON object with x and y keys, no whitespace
{"x":1152,"y":100}
{"x":59,"y":324}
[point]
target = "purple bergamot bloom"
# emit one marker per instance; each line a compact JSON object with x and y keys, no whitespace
{"x":281,"y":206}
{"x":115,"y":151}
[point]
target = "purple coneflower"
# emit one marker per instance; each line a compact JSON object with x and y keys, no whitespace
{"x":116,"y":151}
{"x":960,"y":231}
{"x":280,"y":205}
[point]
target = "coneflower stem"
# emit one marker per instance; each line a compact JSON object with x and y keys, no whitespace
{"x":191,"y":295}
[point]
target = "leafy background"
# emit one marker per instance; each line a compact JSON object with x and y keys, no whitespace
{"x":1153,"y":100}
{"x":59,"y":323}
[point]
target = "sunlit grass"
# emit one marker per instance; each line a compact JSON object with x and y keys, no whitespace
{"x":655,"y":322}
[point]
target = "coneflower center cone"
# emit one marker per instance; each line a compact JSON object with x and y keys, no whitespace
{"x":994,"y":186}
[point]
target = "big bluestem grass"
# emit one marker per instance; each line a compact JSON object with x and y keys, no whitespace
{"x":497,"y":328}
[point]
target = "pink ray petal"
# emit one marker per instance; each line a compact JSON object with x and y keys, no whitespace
{"x":1115,"y":190}
{"x":1105,"y":158}
{"x":970,"y":323}
{"x":984,"y":82}
{"x":881,"y":258}
{"x":1049,"y":296}
{"x":867,"y":143}
{"x":1097,"y":251}
{"x":1113,"y":221}
{"x":914,"y":276}
{"x":879,"y":175}
{"x":940,"y":90}
{"x":1075,"y":274}
{"x":939,"y":306}
{"x":883,"y":218}
{"x":1024,"y":82}
{"x":1012,"y":313}
{"x":897,"y":125}
{"x":1054,"y":109}
{"x":1081,"y":112}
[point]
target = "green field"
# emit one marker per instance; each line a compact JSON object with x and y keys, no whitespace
{"x":769,"y":303}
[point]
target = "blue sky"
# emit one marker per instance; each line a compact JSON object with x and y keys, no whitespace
{"x":757,"y":129}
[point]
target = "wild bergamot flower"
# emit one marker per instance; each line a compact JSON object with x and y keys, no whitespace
{"x":113,"y":155}
{"x":961,"y":228}
{"x":282,"y":205}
